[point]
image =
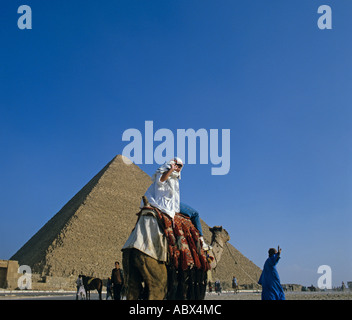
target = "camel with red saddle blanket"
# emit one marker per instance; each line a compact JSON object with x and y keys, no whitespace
{"x":163,"y":258}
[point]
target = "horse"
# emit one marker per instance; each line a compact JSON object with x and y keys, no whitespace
{"x":91,"y":283}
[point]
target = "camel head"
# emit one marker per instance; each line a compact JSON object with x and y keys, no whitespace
{"x":219,"y":234}
{"x":218,"y":240}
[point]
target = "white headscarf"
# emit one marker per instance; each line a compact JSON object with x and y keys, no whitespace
{"x":166,"y":167}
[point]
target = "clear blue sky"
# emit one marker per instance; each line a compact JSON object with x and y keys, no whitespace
{"x":89,"y":70}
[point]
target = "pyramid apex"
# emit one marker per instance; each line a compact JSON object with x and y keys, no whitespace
{"x":122,"y":158}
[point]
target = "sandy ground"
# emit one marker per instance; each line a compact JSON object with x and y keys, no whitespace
{"x":328,"y":295}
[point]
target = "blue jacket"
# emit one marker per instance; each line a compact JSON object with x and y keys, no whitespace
{"x":270,"y":280}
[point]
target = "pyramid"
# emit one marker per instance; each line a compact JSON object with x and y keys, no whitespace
{"x":87,"y":234}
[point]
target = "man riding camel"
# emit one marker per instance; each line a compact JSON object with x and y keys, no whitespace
{"x":164,"y":194}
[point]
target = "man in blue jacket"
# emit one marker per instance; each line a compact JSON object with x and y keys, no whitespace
{"x":269,"y":279}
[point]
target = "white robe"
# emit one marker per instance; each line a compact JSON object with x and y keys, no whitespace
{"x":165,"y":195}
{"x":148,"y":237}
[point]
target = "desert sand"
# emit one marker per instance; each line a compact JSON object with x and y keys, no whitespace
{"x":291,"y":295}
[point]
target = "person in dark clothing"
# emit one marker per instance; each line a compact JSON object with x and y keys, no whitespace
{"x":117,"y":281}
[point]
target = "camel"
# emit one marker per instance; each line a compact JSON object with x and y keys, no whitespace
{"x":218,"y":241}
{"x":152,"y":278}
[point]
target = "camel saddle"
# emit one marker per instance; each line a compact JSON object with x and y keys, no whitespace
{"x":172,"y":241}
{"x":184,"y":247}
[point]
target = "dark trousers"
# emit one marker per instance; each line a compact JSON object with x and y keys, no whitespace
{"x":117,"y":291}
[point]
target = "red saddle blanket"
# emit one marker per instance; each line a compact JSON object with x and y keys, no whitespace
{"x":185,"y":249}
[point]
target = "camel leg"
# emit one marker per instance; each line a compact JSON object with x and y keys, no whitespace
{"x":133,"y":279}
{"x":203,"y":284}
{"x":184,"y":279}
{"x":134,"y":287}
{"x":154,"y":275}
{"x":172,"y":283}
{"x":200,"y":284}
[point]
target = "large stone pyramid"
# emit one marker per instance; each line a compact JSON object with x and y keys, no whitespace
{"x":87,"y":234}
